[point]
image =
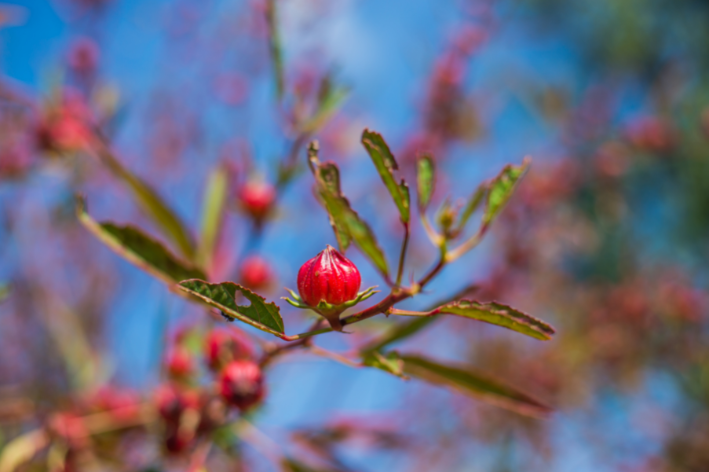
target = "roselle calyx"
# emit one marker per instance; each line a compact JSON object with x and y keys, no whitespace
{"x":328,"y":284}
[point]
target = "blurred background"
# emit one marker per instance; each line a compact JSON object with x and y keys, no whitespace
{"x":606,"y":237}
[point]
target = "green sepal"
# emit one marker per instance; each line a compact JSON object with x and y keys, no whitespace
{"x":330,"y":312}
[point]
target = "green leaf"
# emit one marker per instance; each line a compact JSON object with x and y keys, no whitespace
{"x":473,"y":204}
{"x":329,"y":101}
{"x":259,"y":314}
{"x":389,"y":362}
{"x":426,"y":180}
{"x":275,"y":47}
{"x":347,"y":224}
{"x":329,"y":175}
{"x":5,"y":290}
{"x":151,"y":203}
{"x":213,"y":206}
{"x":500,"y":315}
{"x":501,"y":189}
{"x":474,"y":384}
{"x":386,"y":165}
{"x":138,"y":248}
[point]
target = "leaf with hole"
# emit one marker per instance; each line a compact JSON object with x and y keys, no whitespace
{"x":138,"y":248}
{"x":259,"y":314}
{"x":473,"y":384}
{"x":385,"y":163}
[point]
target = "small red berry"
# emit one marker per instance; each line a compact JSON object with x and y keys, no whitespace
{"x":257,"y":199}
{"x":328,"y":277}
{"x":255,"y":272}
{"x":223,"y":347}
{"x":241,"y":384}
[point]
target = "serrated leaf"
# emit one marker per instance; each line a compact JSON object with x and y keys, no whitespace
{"x":259,"y":314}
{"x":215,"y":196}
{"x":346,"y":223}
{"x":501,"y":189}
{"x":474,"y":384}
{"x":139,"y":249}
{"x":152,"y":204}
{"x":330,"y":176}
{"x":500,"y":315}
{"x":389,"y":362}
{"x":425,"y":179}
{"x":386,"y":165}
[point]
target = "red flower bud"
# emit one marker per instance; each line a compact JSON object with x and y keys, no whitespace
{"x":328,"y":277}
{"x":223,"y":347}
{"x":179,"y":363}
{"x":172,"y":402}
{"x":255,"y":273}
{"x":241,"y":384}
{"x":257,"y":198}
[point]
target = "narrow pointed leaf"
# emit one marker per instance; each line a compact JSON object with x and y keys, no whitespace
{"x":500,"y":315}
{"x":152,"y":204}
{"x":473,"y":204}
{"x":259,"y":314}
{"x":501,"y":189}
{"x":330,"y":177}
{"x":474,"y":384}
{"x":390,"y":362}
{"x":386,"y":165}
{"x":212,"y":214}
{"x":275,"y":47}
{"x":347,"y":224}
{"x":139,"y":249}
{"x":330,"y":100}
{"x":426,"y":180}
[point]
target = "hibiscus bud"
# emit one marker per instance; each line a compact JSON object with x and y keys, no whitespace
{"x":331,"y":278}
{"x":257,"y":199}
{"x":328,"y":277}
{"x":179,"y":363}
{"x":241,"y":384}
{"x":255,"y":273}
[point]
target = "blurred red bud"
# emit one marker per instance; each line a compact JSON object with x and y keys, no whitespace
{"x":255,"y":273}
{"x":241,"y":384}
